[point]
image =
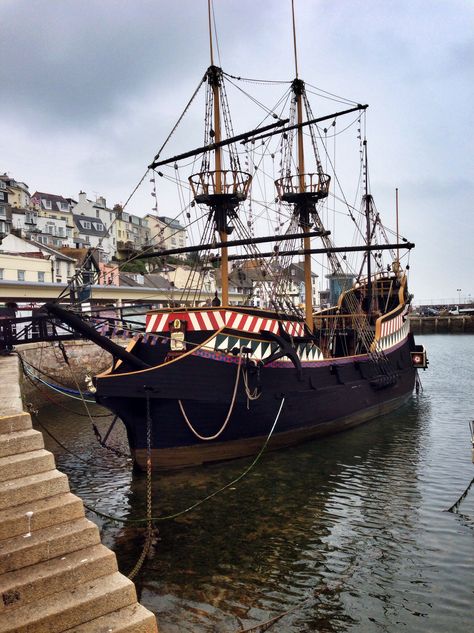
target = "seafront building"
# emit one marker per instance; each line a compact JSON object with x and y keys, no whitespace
{"x":61,"y":267}
{"x":52,"y":234}
{"x":166,"y":233}
{"x":94,"y":225}
{"x":133,"y":233}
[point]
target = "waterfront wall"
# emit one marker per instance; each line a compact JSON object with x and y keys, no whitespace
{"x":85,"y":359}
{"x":442,"y":324}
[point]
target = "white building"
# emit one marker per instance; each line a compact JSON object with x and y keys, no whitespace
{"x":60,"y":267}
{"x":45,"y":230}
{"x":95,"y":225}
{"x":48,"y":220}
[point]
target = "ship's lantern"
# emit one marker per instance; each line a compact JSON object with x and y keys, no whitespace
{"x":418,"y":357}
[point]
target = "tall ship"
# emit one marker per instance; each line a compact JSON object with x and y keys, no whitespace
{"x":215,"y":380}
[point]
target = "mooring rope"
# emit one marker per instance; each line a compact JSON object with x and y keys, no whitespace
{"x":175,"y":515}
{"x":32,"y":411}
{"x":455,"y":506}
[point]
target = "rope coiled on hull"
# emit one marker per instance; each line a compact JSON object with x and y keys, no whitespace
{"x":229,"y":413}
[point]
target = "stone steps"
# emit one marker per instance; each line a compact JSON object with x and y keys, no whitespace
{"x":60,"y":508}
{"x":55,"y":575}
{"x":69,"y":608}
{"x":15,"y":492}
{"x":25,"y":464}
{"x":20,"y":442}
{"x":19,"y":422}
{"x":23,"y":551}
{"x":29,"y":584}
{"x":132,"y":619}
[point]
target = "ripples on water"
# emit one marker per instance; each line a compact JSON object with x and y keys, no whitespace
{"x":349,"y":531}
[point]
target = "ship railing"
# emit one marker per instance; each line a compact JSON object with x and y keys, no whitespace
{"x":225,"y":181}
{"x":311,"y":183}
{"x":385,"y":275}
{"x":345,"y":321}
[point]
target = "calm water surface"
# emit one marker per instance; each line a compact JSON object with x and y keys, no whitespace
{"x":349,"y":533}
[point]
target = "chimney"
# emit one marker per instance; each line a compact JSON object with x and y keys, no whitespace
{"x":101,"y":200}
{"x":82,"y":197}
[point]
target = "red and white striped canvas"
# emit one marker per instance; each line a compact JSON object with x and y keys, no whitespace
{"x":210,"y":320}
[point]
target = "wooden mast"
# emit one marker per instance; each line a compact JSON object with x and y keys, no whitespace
{"x":214,"y":78}
{"x":368,"y":203}
{"x":298,"y":88}
{"x":396,"y":266}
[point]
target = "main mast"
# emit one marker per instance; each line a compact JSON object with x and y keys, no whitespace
{"x":303,"y":190}
{"x":213,"y":78}
{"x":298,"y":88}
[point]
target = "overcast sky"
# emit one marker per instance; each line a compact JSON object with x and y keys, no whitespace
{"x":90,"y":88}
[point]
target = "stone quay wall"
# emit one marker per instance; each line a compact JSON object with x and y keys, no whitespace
{"x":442,"y":324}
{"x":85,"y":358}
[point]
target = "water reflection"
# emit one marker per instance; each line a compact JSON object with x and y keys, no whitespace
{"x":350,"y":528}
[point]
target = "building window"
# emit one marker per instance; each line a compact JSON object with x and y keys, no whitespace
{"x":85,"y":224}
{"x":64,"y":206}
{"x":98,"y":226}
{"x":3,"y":184}
{"x":21,"y":275}
{"x":1,"y":269}
{"x":97,"y":213}
{"x":2,"y":208}
{"x":41,"y":276}
{"x":46,"y":203}
{"x":2,"y":195}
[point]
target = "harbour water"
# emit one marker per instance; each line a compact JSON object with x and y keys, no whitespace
{"x":348,"y":533}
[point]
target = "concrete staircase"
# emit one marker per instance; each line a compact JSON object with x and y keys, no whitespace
{"x":55,"y":575}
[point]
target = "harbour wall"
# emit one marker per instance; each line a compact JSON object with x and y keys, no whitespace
{"x":47,"y":361}
{"x":442,"y":324}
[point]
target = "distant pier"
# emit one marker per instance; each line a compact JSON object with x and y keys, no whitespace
{"x":450,"y":324}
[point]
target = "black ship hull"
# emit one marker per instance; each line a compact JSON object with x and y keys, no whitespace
{"x":187,"y":401}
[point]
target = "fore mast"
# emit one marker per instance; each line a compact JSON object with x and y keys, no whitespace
{"x":222,"y":190}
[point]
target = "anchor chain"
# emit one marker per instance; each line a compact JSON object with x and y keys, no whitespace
{"x":150,"y":536}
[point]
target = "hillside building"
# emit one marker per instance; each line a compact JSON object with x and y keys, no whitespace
{"x":166,"y":233}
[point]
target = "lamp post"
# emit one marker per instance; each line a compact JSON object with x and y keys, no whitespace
{"x":458,"y":290}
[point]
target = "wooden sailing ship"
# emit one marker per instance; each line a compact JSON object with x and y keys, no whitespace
{"x":208,"y":383}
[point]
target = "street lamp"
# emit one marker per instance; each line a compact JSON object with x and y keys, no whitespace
{"x":458,"y":290}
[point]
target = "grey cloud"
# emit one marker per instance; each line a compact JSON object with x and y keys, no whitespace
{"x":76,"y":61}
